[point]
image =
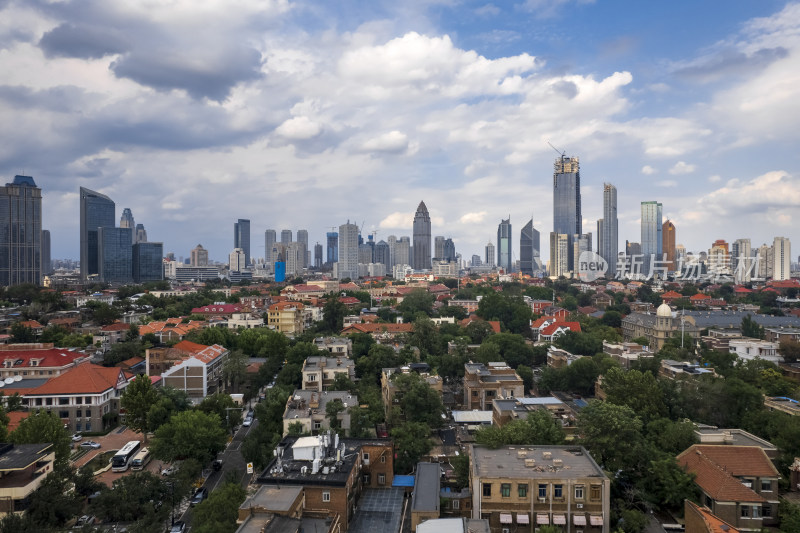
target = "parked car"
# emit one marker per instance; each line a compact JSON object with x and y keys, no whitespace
{"x":178,"y":527}
{"x":199,"y":495}
{"x":169,"y":470}
{"x":90,"y":444}
{"x":217,"y":464}
{"x":77,"y":437}
{"x":247,"y":422}
{"x":85,"y":520}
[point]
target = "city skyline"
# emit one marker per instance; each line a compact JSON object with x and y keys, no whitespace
{"x":461,"y":103}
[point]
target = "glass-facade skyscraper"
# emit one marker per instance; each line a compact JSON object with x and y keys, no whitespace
{"x":529,"y":261}
{"x":608,"y":229}
{"x":567,"y":217}
{"x":422,"y":239}
{"x":241,"y":238}
{"x":21,"y":232}
{"x":332,"y":242}
{"x":504,"y":260}
{"x":47,"y":264}
{"x":148,"y":262}
{"x":302,"y":238}
{"x":114,"y":254}
{"x":97,"y":210}
{"x":127,"y":221}
{"x":652,"y":240}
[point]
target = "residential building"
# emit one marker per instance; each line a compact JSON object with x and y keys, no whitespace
{"x":193,"y":368}
{"x":454,"y":525}
{"x":701,"y":520}
{"x":86,"y":397}
{"x":97,"y":210}
{"x":114,"y":255}
{"x":241,"y":239}
{"x":526,"y":487}
{"x":309,"y":408}
{"x":148,"y":261}
{"x":23,"y":468}
{"x":126,"y":221}
{"x":319,"y":372}
{"x":739,"y":484}
{"x":422,"y":238}
{"x":783,"y":404}
{"x":748,"y":349}
{"x":627,"y":353}
{"x":489,"y":257}
{"x":286,"y":317}
{"x":652,"y":236}
{"x":21,"y":232}
{"x":742,"y":261}
{"x":482,"y":384}
{"x":558,"y":358}
{"x":567,"y":217}
{"x":389,"y":392}
{"x":449,"y":250}
{"x":425,"y":497}
{"x":608,"y":229}
{"x":733,"y":437}
{"x":347,"y":265}
{"x":504,"y":253}
{"x":199,"y":256}
{"x":781,"y":259}
{"x":237,"y":260}
{"x":668,"y":245}
{"x":171,"y":330}
{"x":37,"y":360}
{"x":670,"y":369}
{"x":383,"y":255}
{"x":559,"y":255}
{"x":504,"y":411}
{"x":339,"y":346}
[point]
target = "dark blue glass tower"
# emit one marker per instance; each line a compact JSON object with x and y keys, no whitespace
{"x":97,"y":210}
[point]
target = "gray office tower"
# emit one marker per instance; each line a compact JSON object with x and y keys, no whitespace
{"x":141,"y":233}
{"x":332,"y":241}
{"x":421,"y":247}
{"x":21,"y":232}
{"x":148,"y":261}
{"x":318,"y":255}
{"x":504,"y":260}
{"x":608,"y":229}
{"x":97,"y":210}
{"x":567,"y":202}
{"x":286,"y":236}
{"x":241,"y":238}
{"x":269,"y":242}
{"x":652,"y":242}
{"x":126,"y":221}
{"x":382,"y":255}
{"x":302,"y":238}
{"x":114,"y":254}
{"x":47,"y":264}
{"x":449,"y":250}
{"x":529,"y":261}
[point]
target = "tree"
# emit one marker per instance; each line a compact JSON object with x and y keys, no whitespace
{"x":418,"y":401}
{"x":44,"y":426}
{"x":526,"y":373}
{"x":104,"y":314}
{"x":120,"y":351}
{"x":416,"y":301}
{"x":789,"y":514}
{"x":222,"y":405}
{"x":234,"y":369}
{"x":512,"y":311}
{"x":190,"y":434}
{"x":612,"y":319}
{"x":333,"y":314}
{"x":21,"y":334}
{"x":412,"y":441}
{"x":790,"y":350}
{"x":637,"y":390}
{"x":478,"y":331}
{"x":133,"y":497}
{"x":750,"y":328}
{"x":667,"y":484}
{"x":426,"y":337}
{"x":137,"y":400}
{"x":219,"y":512}
{"x":539,"y":429}
{"x":612,"y":433}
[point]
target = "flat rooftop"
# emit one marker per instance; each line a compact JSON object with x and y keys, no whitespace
{"x":530,"y":461}
{"x":273,"y":498}
{"x":426,"y":488}
{"x":302,"y":401}
{"x":21,"y":456}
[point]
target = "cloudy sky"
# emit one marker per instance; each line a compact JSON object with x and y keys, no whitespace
{"x":304,"y":114}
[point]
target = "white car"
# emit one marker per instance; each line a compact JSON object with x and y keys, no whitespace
{"x":77,"y":437}
{"x":247,"y":422}
{"x":168,"y":471}
{"x":90,"y":444}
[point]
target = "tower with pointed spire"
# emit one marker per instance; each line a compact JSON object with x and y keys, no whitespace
{"x":422,"y":238}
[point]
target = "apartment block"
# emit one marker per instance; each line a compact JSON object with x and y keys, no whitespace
{"x":482,"y":384}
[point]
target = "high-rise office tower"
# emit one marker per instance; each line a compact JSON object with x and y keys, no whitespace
{"x":782,"y":259}
{"x":449,"y":250}
{"x":608,"y":229}
{"x":21,"y":232}
{"x":581,"y":243}
{"x":402,"y":252}
{"x":504,"y":260}
{"x":148,"y":261}
{"x":97,"y":210}
{"x":765,"y":261}
{"x":476,"y":260}
{"x":364,"y":253}
{"x":302,"y":238}
{"x":529,"y":261}
{"x":286,"y":236}
{"x":633,"y":248}
{"x":126,"y":221}
{"x":332,"y":239}
{"x":318,"y":255}
{"x":199,"y":256}
{"x":567,"y":217}
{"x":114,"y":254}
{"x":422,"y":238}
{"x":47,"y":264}
{"x":668,"y":244}
{"x":391,"y":240}
{"x":438,"y":247}
{"x":652,"y":240}
{"x":241,"y":238}
{"x":347,"y":266}
{"x":141,"y":233}
{"x":269,"y":242}
{"x":294,"y":254}
{"x":237,"y":260}
{"x":742,"y":261}
{"x":559,"y":254}
{"x":489,"y":255}
{"x":381,"y":254}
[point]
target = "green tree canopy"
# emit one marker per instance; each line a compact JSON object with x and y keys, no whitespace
{"x":612,"y":433}
{"x":539,"y":429}
{"x":412,"y":441}
{"x":190,"y":434}
{"x":44,"y":426}
{"x":139,"y":397}
{"x":218,"y":514}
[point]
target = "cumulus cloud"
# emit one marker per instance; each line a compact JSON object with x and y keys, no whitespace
{"x":681,"y":167}
{"x":716,"y":178}
{"x":648,"y":170}
{"x":397,"y":220}
{"x":473,"y":218}
{"x":667,"y":183}
{"x":85,"y":42}
{"x":391,"y":142}
{"x":299,"y":128}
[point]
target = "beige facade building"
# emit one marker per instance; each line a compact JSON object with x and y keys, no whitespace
{"x":190,"y":367}
{"x":23,"y":468}
{"x":483,"y":384}
{"x":319,"y":372}
{"x":286,"y":317}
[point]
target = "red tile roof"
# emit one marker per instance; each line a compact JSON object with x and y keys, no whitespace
{"x":349,"y":300}
{"x":201,"y":352}
{"x":53,"y":357}
{"x":378,"y":328}
{"x":15,"y":417}
{"x":85,"y":378}
{"x":717,"y":470}
{"x":33,"y":324}
{"x":552,"y":328}
{"x":671,"y":295}
{"x":699,"y":296}
{"x":219,"y":309}
{"x":116,"y":326}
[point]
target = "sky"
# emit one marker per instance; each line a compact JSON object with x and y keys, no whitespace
{"x":306,"y":114}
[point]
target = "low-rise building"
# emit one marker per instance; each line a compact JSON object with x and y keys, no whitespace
{"x":749,"y":349}
{"x":782,"y":334}
{"x":335,"y":345}
{"x":679,"y":370}
{"x":23,"y":468}
{"x":558,"y":358}
{"x":733,"y":437}
{"x":483,"y":384}
{"x":627,"y":353}
{"x":246,"y":320}
{"x":190,"y":367}
{"x":783,"y":404}
{"x":425,"y":498}
{"x":171,"y":330}
{"x":319,"y":371}
{"x":287,"y":317}
{"x":37,"y":360}
{"x":309,"y":408}
{"x":504,"y":411}
{"x":526,"y":487}
{"x":389,"y":389}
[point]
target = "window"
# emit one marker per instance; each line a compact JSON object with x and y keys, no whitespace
{"x":63,"y":414}
{"x":366,"y":457}
{"x":766,"y":511}
{"x":326,"y":496}
{"x":558,"y":491}
{"x":456,"y":504}
{"x":766,"y":485}
{"x":381,"y":479}
{"x":365,"y":479}
{"x":522,"y":490}
{"x":756,"y":511}
{"x":383,"y":458}
{"x":475,"y":393}
{"x":77,"y":426}
{"x":78,"y":413}
{"x":579,"y":492}
{"x":48,"y":401}
{"x":505,"y":490}
{"x":543,"y":491}
{"x":595,"y":494}
{"x":88,"y":425}
{"x":63,"y":401}
{"x":745,"y":511}
{"x":317,"y":424}
{"x":487,"y":489}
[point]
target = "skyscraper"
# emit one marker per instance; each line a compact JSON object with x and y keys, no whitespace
{"x":489,"y":255}
{"x":381,"y":254}
{"x":302,"y":238}
{"x":402,"y":252}
{"x":141,"y":234}
{"x":347,"y":266}
{"x":241,"y":238}
{"x":114,"y":254}
{"x":742,"y":261}
{"x":668,"y":244}
{"x":391,"y":240}
{"x":449,"y":250}
{"x":269,"y":242}
{"x":47,"y":265}
{"x":567,"y":217}
{"x":236,"y":260}
{"x":608,"y":230}
{"x":199,"y":256}
{"x":332,"y":239}
{"x":422,"y":238}
{"x":559,"y":254}
{"x":438,"y":247}
{"x":504,"y":245}
{"x":529,"y":261}
{"x":126,"y":221}
{"x":21,"y":232}
{"x":97,"y":210}
{"x":286,"y":236}
{"x":148,"y":261}
{"x":318,"y":255}
{"x":652,"y":240}
{"x":782,"y":259}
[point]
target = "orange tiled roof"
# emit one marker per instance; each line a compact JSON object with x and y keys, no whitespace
{"x":378,"y":328}
{"x":33,"y":324}
{"x":712,"y":521}
{"x":85,"y":378}
{"x":671,"y":295}
{"x":717,"y":469}
{"x":15,"y":417}
{"x":52,"y":357}
{"x":116,"y":326}
{"x":700,"y":296}
{"x":552,"y":328}
{"x":201,"y":352}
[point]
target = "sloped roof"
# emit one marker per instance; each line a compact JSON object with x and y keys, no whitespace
{"x":717,"y":469}
{"x":52,"y":357}
{"x":378,"y":328}
{"x":555,"y":326}
{"x":116,"y":326}
{"x":85,"y":378}
{"x":671,"y":295}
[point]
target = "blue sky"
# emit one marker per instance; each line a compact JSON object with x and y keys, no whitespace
{"x":305,"y":114}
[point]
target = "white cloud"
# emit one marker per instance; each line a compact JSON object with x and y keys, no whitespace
{"x":397,"y":220}
{"x":299,"y":128}
{"x":473,"y":218}
{"x":648,"y":170}
{"x":667,"y":183}
{"x":716,"y":178}
{"x":681,"y":167}
{"x":391,"y":142}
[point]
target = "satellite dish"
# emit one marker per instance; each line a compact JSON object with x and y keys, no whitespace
{"x":2,"y":384}
{"x":17,"y":378}
{"x":9,"y":381}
